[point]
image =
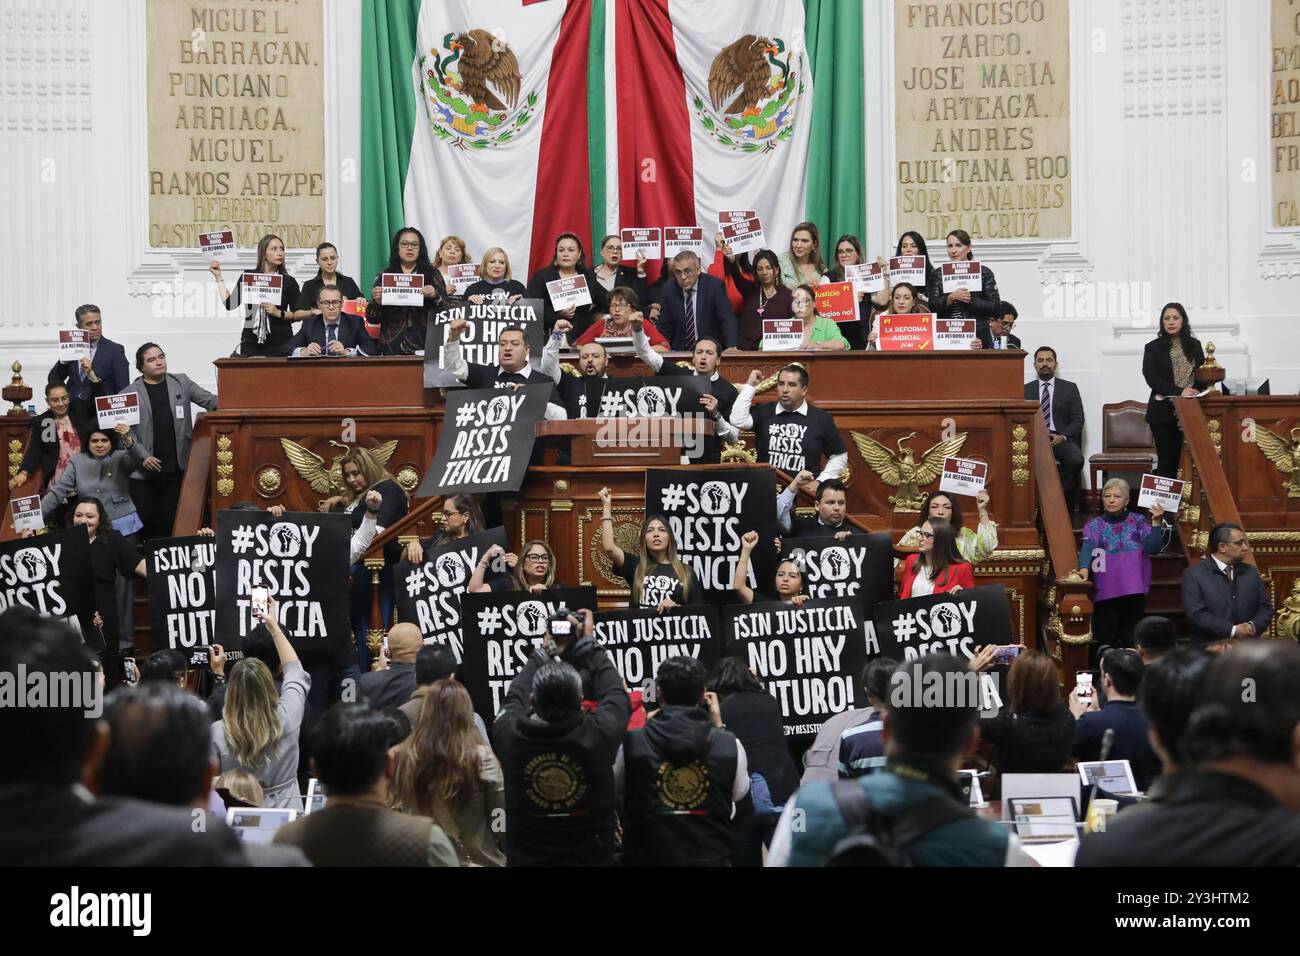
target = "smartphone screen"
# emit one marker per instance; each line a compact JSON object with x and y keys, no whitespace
{"x":260,"y":596}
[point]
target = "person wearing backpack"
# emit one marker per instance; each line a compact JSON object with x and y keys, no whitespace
{"x":913,"y":813}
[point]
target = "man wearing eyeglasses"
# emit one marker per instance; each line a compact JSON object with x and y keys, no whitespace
{"x":694,"y":306}
{"x":332,"y":332}
{"x":1223,"y":596}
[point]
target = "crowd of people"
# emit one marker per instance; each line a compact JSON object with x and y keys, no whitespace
{"x":577,"y":768}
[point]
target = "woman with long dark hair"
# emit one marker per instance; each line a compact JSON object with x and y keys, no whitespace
{"x":445,"y":771}
{"x":765,"y":297}
{"x":403,"y":328}
{"x":1033,"y":733}
{"x":754,"y":716}
{"x":570,"y":260}
{"x":267,"y":328}
{"x":787,"y":584}
{"x":903,"y":300}
{"x":938,"y":568}
{"x":912,"y":243}
{"x":658,"y":577}
{"x":973,"y":546}
{"x":327,"y":265}
{"x":1169,"y":364}
{"x":461,"y":517}
{"x":981,"y":306}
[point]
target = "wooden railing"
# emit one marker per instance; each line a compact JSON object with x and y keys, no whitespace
{"x":1207,"y":497}
{"x":191,"y":507}
{"x":373,"y":560}
{"x":1066,"y":595}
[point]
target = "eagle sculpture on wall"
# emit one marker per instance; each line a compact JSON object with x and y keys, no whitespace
{"x":328,"y":480}
{"x":900,"y":468}
{"x":746,"y":66}
{"x":489,"y":71}
{"x":1282,"y":453}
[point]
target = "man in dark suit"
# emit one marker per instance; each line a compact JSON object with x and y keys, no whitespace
{"x":1062,"y":409}
{"x":1223,"y":596}
{"x":104,"y":372}
{"x":52,"y":758}
{"x":394,"y":685}
{"x":331,"y":332}
{"x":693,"y":306}
{"x":999,"y":329}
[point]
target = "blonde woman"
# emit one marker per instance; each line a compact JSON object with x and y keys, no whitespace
{"x":534,"y":573}
{"x":445,"y":771}
{"x":259,"y":728}
{"x":242,"y":788}
{"x":495,"y":281}
{"x":658,"y":577}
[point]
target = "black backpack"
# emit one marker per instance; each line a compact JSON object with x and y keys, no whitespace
{"x":873,"y":839}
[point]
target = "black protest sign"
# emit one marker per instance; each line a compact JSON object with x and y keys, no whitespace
{"x":663,"y":396}
{"x":501,"y":630}
{"x":958,"y":624}
{"x":51,"y":575}
{"x":182,"y":596}
{"x":479,"y":341}
{"x":810,"y":657}
{"x":861,"y":564}
{"x":639,"y":640}
{"x":428,"y":594}
{"x":302,"y":561}
{"x":486,"y":440}
{"x":708,"y":512}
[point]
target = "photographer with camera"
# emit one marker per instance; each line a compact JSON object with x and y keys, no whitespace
{"x":559,"y":760}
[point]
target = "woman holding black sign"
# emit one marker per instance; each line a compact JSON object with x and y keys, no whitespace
{"x":787,"y":586}
{"x":113,"y":560}
{"x":964,"y":304}
{"x":494,"y":283}
{"x":658,"y":577}
{"x":267,"y":328}
{"x":938,"y":568}
{"x":535,"y":573}
{"x":461,"y":517}
{"x":404,"y":328}
{"x":569,"y":261}
{"x":1169,"y":364}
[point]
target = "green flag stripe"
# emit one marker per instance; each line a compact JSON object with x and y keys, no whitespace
{"x":837,"y":199}
{"x":388,"y":110}
{"x":596,"y":121}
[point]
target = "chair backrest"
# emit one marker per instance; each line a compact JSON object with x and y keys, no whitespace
{"x":1124,"y":426}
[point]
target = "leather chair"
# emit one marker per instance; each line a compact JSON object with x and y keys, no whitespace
{"x":1126,"y":443}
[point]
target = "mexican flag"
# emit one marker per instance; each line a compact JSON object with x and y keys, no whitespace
{"x":506,"y":122}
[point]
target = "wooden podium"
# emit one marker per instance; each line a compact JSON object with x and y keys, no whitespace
{"x":609,"y":442}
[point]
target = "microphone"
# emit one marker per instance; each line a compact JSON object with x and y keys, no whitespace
{"x":1107,"y":741}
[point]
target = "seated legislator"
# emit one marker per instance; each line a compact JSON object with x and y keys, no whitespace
{"x":790,"y":433}
{"x":327,"y":262}
{"x":848,"y":252}
{"x":938,"y":568}
{"x":495,"y":283}
{"x":998,"y":335}
{"x":55,"y":438}
{"x":623,"y":305}
{"x":104,"y":372}
{"x":332,"y":332}
{"x":787,"y":585}
{"x":513,"y":370}
{"x":267,"y":328}
{"x":612,"y":274}
{"x":403,"y":329}
{"x":694,"y":305}
{"x":964,"y":304}
{"x":570,"y":260}
{"x":719,"y":398}
{"x":764,"y":296}
{"x":1224,"y":597}
{"x":819,"y":334}
{"x":974,"y":546}
{"x":1062,"y":409}
{"x":831,"y":505}
{"x":903,"y":300}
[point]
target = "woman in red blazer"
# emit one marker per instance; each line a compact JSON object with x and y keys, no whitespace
{"x":938,"y":567}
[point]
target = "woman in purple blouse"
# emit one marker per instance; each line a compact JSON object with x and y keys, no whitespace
{"x":1117,"y":545}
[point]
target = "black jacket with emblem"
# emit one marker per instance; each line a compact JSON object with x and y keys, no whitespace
{"x":680,"y":773}
{"x":559,"y":777}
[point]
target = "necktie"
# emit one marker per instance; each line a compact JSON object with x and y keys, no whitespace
{"x":1045,"y":404}
{"x":331,"y":333}
{"x":691,"y":332}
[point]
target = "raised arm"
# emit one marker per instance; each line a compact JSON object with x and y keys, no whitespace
{"x":739,"y":583}
{"x":740,"y":414}
{"x":607,"y":542}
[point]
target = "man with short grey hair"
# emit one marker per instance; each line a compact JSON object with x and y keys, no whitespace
{"x":694,"y":305}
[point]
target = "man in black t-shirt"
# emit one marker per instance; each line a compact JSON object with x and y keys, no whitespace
{"x":164,"y":433}
{"x":716,"y":402}
{"x":577,"y":394}
{"x":791,"y":434}
{"x":512,"y":372}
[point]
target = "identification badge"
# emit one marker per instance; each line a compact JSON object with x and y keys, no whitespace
{"x":180,"y":411}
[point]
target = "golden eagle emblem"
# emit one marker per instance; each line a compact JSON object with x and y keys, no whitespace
{"x":1282,"y":453}
{"x":328,"y":480}
{"x":754,"y":87}
{"x":900,"y":468}
{"x":473,"y":88}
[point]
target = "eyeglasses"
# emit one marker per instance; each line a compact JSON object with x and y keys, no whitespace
{"x":1240,"y":542}
{"x":335,"y":304}
{"x":539,"y":558}
{"x":409,"y":244}
{"x":927,"y":535}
